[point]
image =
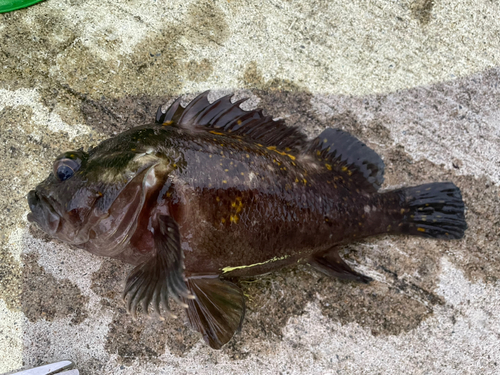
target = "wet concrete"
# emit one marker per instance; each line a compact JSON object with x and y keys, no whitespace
{"x":417,"y":81}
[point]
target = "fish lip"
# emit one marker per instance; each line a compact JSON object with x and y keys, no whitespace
{"x":43,"y":213}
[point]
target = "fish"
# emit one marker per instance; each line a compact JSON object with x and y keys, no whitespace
{"x":209,"y":193}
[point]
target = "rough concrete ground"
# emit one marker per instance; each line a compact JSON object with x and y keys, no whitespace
{"x":418,"y":81}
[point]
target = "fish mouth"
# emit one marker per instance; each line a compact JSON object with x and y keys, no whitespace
{"x":43,"y":213}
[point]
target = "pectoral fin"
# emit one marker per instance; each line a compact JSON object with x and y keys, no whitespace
{"x":333,"y":265}
{"x":160,"y":277}
{"x":217,"y":311}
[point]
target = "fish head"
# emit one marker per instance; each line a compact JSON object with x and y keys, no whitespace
{"x":61,"y":203}
{"x":92,"y":199}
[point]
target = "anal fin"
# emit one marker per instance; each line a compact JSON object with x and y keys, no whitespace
{"x":218,"y":309}
{"x":333,"y":265}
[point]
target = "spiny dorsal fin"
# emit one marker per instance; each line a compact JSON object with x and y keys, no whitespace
{"x":343,"y":153}
{"x":227,"y":117}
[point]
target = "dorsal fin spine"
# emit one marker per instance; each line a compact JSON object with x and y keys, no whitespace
{"x":231,"y":119}
{"x":209,"y":109}
{"x":191,"y":110}
{"x":228,"y":111}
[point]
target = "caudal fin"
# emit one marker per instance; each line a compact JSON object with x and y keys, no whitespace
{"x":434,"y":210}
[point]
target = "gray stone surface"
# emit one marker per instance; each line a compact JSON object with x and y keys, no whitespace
{"x":418,"y":81}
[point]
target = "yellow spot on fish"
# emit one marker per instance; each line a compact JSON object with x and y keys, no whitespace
{"x":344,"y":168}
{"x":239,"y":207}
{"x":242,"y":173}
{"x":402,"y":211}
{"x":234,"y":219}
{"x":167,"y":123}
{"x":217,"y":199}
{"x":239,"y":122}
{"x":223,"y":220}
{"x":132,"y":149}
{"x":226,"y":170}
{"x":296,"y":179}
{"x":318,"y":153}
{"x":421,"y":229}
{"x":214,"y":132}
{"x":360,"y":224}
{"x":328,"y":166}
{"x":209,"y":156}
{"x":389,"y":227}
{"x":272,"y":148}
{"x":247,"y":156}
{"x":224,"y":181}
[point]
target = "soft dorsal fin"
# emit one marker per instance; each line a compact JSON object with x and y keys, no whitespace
{"x":343,"y":153}
{"x":227,"y":117}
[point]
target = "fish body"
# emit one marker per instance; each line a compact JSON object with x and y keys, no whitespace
{"x":210,"y":192}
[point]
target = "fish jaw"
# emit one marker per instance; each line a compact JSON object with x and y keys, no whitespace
{"x":43,"y":213}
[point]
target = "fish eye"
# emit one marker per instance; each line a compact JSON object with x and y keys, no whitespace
{"x":65,"y":168}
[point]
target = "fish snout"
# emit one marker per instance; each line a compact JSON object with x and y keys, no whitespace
{"x":32,"y":200}
{"x":42,"y":213}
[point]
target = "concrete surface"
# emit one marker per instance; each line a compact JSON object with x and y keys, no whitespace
{"x":417,"y":80}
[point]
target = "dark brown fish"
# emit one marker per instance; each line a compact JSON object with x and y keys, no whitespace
{"x":210,"y":192}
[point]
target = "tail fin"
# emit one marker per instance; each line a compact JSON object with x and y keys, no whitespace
{"x":434,"y":210}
